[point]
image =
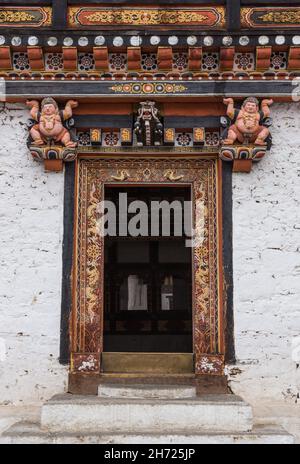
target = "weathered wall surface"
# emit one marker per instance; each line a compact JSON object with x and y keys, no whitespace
{"x":31,"y":221}
{"x":266,"y":217}
{"x":266,"y":270}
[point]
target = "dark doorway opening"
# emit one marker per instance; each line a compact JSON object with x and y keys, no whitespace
{"x":148,"y":280}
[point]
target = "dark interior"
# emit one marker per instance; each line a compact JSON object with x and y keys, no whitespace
{"x":148,"y":283}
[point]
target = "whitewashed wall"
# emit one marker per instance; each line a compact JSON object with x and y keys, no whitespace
{"x":266,"y":268}
{"x":31,"y":223}
{"x":266,"y":217}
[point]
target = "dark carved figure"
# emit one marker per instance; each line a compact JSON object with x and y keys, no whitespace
{"x":248,"y":125}
{"x":148,"y":127}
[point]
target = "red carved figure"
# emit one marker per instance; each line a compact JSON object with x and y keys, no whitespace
{"x":247,"y":127}
{"x":50,"y":122}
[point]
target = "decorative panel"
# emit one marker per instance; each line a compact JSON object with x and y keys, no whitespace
{"x":21,"y":61}
{"x":279,"y":61}
{"x":117,"y":62}
{"x":54,"y":62}
{"x":184,"y":139}
{"x":149,"y":62}
{"x":86,"y":62}
{"x":111,"y":139}
{"x":205,"y":17}
{"x":148,"y":88}
{"x":212,"y":138}
{"x":84,"y":138}
{"x":270,"y":17}
{"x":244,"y":62}
{"x":180,"y":62}
{"x":25,"y":16}
{"x":210,"y":61}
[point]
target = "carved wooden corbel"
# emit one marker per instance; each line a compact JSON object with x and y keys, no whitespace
{"x":246,"y":137}
{"x":50,"y":133}
{"x":148,"y":126}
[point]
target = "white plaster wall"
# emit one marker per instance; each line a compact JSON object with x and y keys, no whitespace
{"x":31,"y":227}
{"x":266,"y":243}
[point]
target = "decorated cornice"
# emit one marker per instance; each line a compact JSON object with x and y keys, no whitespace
{"x":207,"y":17}
{"x":25,"y":16}
{"x":120,"y":62}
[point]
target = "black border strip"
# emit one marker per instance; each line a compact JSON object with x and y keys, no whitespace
{"x":228,"y":261}
{"x":67,"y":258}
{"x":102,"y":89}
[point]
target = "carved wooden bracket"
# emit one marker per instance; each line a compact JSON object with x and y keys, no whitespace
{"x":242,"y":156}
{"x":51,"y":139}
{"x":246,"y":136}
{"x":53,"y":156}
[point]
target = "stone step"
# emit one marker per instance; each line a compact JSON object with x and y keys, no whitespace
{"x":31,"y":433}
{"x":70,"y":413}
{"x":146,"y":391}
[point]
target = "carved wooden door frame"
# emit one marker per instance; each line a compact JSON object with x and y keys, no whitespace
{"x":88,"y":266}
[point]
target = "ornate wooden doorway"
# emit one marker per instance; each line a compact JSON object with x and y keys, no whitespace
{"x":201,"y":176}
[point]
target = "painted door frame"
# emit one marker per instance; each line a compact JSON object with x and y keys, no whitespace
{"x":204,"y":176}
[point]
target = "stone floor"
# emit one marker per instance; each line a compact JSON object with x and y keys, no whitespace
{"x":9,"y":415}
{"x":286,"y":415}
{"x":267,"y":415}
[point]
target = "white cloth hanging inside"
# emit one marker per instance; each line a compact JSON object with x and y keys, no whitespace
{"x":137,"y":294}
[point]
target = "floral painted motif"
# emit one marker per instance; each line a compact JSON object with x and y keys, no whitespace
{"x":149,"y":88}
{"x":111,"y":139}
{"x":54,"y":62}
{"x":184,"y":139}
{"x":270,"y":17}
{"x":84,"y":139}
{"x":278,"y":61}
{"x":97,"y":16}
{"x":210,"y":62}
{"x":180,"y":62}
{"x":21,"y":61}
{"x":86,"y":62}
{"x":149,"y":62}
{"x":212,"y":139}
{"x":210,"y":364}
{"x":117,"y":62}
{"x":25,"y":16}
{"x":13,"y":16}
{"x":244,"y":62}
{"x":84,"y":363}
